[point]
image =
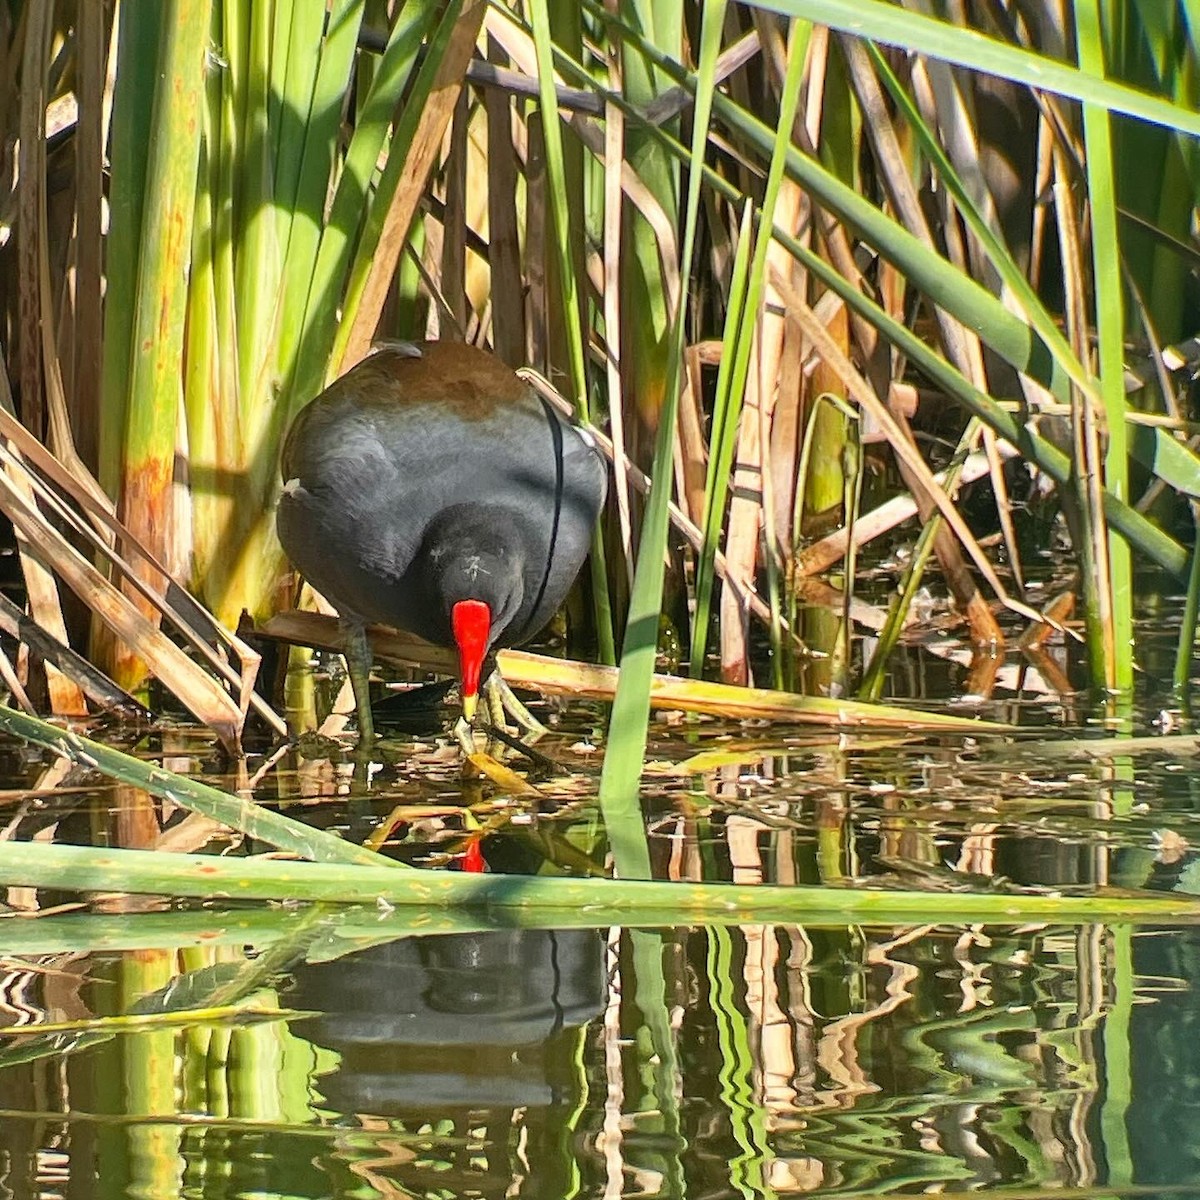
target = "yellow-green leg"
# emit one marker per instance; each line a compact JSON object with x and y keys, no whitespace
{"x":356,"y":650}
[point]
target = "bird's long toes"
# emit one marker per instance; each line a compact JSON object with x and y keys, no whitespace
{"x":464,"y":734}
{"x":531,"y":728}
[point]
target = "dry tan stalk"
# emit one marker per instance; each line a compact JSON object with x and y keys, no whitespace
{"x":614,"y":160}
{"x":41,"y":588}
{"x":454,"y":218}
{"x":945,"y":100}
{"x":31,"y":168}
{"x":962,"y":345}
{"x":769,"y":30}
{"x":875,"y":354}
{"x":782,"y":375}
{"x":45,"y":608}
{"x":33,"y":300}
{"x":556,"y":676}
{"x":984,"y":671}
{"x":903,"y":447}
{"x":185,"y":612}
{"x":818,"y":593}
{"x":519,"y":46}
{"x":778,"y":390}
{"x":89,"y":167}
{"x":691,"y":431}
{"x":504,"y":243}
{"x":303,"y":627}
{"x":1060,"y":609}
{"x":195,"y":622}
{"x":820,"y":556}
{"x":537,"y":238}
{"x":741,"y":535}
{"x":517,"y":42}
{"x":422,"y":154}
{"x":527,"y":147}
{"x":9,"y":675}
{"x":967,"y":155}
{"x":793,"y":212}
{"x":1086,"y":418}
{"x":94,"y":684}
{"x":196,"y":689}
{"x":64,"y":699}
{"x":1041,"y":185}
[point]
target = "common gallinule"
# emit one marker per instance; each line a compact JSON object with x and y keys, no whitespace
{"x":430,"y":488}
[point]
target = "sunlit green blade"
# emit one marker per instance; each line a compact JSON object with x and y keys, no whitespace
{"x":91,"y":933}
{"x":629,"y":722}
{"x":1110,"y":631}
{"x":314,"y":172}
{"x":605,"y":901}
{"x":154,"y":353}
{"x":1157,"y":449}
{"x":133,"y":107}
{"x":257,"y":254}
{"x":899,"y":26}
{"x":237,"y":812}
{"x":438,"y":44}
{"x":1006,"y":333}
{"x":354,"y":191}
{"x":1187,"y":625}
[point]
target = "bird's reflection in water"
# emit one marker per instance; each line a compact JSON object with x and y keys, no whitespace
{"x":437,"y":1026}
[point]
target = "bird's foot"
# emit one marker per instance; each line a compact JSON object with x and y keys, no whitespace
{"x":464,"y":735}
{"x":502,"y":700}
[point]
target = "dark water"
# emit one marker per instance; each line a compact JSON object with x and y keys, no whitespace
{"x":281,"y":1052}
{"x":524,"y":1062}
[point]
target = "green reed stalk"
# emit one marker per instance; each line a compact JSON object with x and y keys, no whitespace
{"x":1115,"y":636}
{"x":884,"y":22}
{"x":553,"y":899}
{"x":237,"y":812}
{"x":560,"y":193}
{"x":147,"y":304}
{"x":629,"y":722}
{"x":745,"y":306}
